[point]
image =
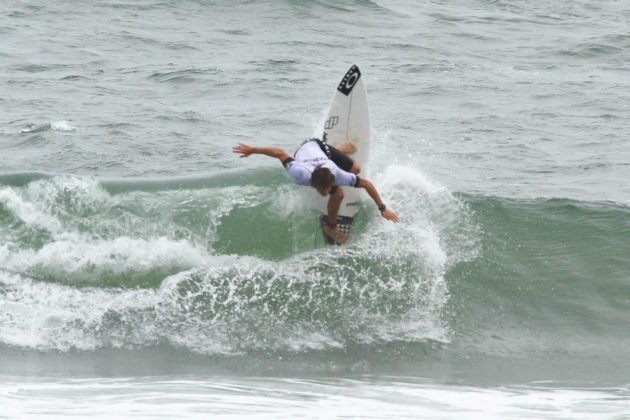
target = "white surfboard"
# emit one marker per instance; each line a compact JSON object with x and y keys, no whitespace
{"x":348,"y":121}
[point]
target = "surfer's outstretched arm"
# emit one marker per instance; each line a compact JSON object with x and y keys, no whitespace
{"x":371,"y":190}
{"x":245,"y":150}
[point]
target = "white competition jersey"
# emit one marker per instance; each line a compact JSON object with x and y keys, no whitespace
{"x":308,"y":157}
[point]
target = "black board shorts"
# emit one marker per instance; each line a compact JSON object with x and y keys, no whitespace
{"x":338,"y":158}
{"x":341,"y":160}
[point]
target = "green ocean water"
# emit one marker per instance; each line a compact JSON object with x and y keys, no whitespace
{"x":111,"y":265}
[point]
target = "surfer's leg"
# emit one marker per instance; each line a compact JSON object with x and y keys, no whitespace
{"x":343,"y":161}
{"x":347,"y":148}
{"x":330,"y":228}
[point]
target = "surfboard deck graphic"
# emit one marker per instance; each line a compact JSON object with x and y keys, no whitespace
{"x":348,"y":121}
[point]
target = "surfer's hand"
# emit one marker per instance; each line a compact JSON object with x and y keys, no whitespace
{"x":390,"y":215}
{"x":243,"y":149}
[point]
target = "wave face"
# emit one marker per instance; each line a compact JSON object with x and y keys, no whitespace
{"x":550,"y":284}
{"x":209,"y":267}
{"x":218,"y":268}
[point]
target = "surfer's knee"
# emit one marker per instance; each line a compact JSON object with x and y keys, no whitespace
{"x":356,"y":168}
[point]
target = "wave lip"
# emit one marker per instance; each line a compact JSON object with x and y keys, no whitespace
{"x":122,"y":262}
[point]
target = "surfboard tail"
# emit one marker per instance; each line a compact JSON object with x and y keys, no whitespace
{"x":344,"y":224}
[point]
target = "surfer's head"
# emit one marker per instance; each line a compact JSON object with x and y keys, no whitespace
{"x":322,"y":180}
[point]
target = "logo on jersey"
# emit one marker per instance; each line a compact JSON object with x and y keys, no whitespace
{"x":349,"y":80}
{"x":331,"y":122}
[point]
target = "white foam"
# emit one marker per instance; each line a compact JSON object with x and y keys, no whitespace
{"x":397,"y":175}
{"x":434,"y":232}
{"x":61,"y":126}
{"x":67,"y":193}
{"x":46,"y":204}
{"x":272,"y":398}
{"x":294,"y":202}
{"x":85,"y":259}
{"x":222,"y":304}
{"x":237,"y":292}
{"x":27,"y":212}
{"x":54,"y":317}
{"x":431,"y":211}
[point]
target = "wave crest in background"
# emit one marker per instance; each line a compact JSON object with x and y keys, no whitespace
{"x":53,"y":125}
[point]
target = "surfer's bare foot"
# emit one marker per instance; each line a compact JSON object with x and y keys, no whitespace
{"x":347,"y":147}
{"x":336,"y":234}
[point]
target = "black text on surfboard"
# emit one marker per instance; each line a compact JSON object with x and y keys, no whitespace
{"x":349,"y":80}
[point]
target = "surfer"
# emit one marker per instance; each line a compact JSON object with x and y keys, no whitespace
{"x":325,"y":168}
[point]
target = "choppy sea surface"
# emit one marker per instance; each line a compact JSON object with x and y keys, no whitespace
{"x":145,"y":270}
